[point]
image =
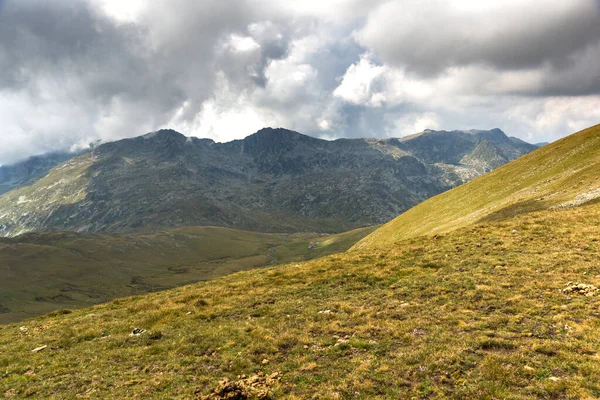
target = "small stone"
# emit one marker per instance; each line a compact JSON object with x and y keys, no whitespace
{"x":137,"y":332}
{"x":325,"y":312}
{"x":39,"y":348}
{"x":305,"y":347}
{"x":528,"y":368}
{"x":265,"y":362}
{"x":554,"y":379}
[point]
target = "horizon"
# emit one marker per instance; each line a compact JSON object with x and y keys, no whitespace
{"x":80,"y":71}
{"x":100,"y":142}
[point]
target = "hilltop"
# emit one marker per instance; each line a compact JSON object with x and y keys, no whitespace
{"x":504,"y":305}
{"x":272,"y":181}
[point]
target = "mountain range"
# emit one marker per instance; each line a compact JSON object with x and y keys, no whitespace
{"x":275,"y":180}
{"x":487,"y":291}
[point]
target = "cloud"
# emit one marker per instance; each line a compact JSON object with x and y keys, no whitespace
{"x":362,"y":84}
{"x":74,"y":71}
{"x":428,"y":36}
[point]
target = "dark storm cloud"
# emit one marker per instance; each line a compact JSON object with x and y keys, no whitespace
{"x":69,"y":40}
{"x":429,"y":36}
{"x":120,"y":78}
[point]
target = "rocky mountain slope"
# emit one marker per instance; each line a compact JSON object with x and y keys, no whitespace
{"x":273,"y":180}
{"x":28,"y":171}
{"x":500,"y":304}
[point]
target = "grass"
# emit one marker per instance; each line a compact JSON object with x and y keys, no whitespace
{"x":40,"y":273}
{"x":477,"y":313}
{"x":466,"y":306}
{"x":550,"y":176}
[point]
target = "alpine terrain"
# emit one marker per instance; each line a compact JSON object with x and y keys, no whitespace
{"x":490,"y":290}
{"x":272,"y":181}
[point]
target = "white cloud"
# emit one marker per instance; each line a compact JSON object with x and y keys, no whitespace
{"x":362,"y":84}
{"x":123,"y":10}
{"x":243,"y":44}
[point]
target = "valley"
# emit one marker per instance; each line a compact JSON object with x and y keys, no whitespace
{"x":49,"y":271}
{"x":482,"y":303}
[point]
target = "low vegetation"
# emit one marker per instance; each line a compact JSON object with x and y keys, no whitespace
{"x":489,"y":291}
{"x":49,"y":271}
{"x":477,"y":313}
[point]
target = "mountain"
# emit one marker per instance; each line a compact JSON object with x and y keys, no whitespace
{"x":561,"y":174}
{"x":496,"y":301}
{"x":273,"y":180}
{"x":28,"y":171}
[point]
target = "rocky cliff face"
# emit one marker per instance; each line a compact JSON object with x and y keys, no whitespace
{"x":273,"y":180}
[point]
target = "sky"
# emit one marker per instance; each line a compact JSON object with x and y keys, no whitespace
{"x":78,"y":71}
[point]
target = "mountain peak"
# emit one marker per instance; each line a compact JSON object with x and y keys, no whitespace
{"x":275,"y":133}
{"x":164,"y":134}
{"x":275,"y":140}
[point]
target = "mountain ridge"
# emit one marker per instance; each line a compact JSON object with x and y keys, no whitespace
{"x":502,"y":304}
{"x":273,"y":180}
{"x":548,"y":177}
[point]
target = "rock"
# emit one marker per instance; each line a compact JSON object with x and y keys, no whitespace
{"x":137,"y":332}
{"x":554,"y":379}
{"x":252,"y":387}
{"x":37,"y":349}
{"x":325,"y":312}
{"x":264,"y":362}
{"x":580,"y":288}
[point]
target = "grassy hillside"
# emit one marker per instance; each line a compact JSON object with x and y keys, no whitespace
{"x":559,"y":174}
{"x":40,"y":273}
{"x":478,"y":313}
{"x":489,"y":291}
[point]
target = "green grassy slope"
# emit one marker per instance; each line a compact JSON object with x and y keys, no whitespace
{"x":43,"y":272}
{"x":554,"y":175}
{"x":475,"y":314}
